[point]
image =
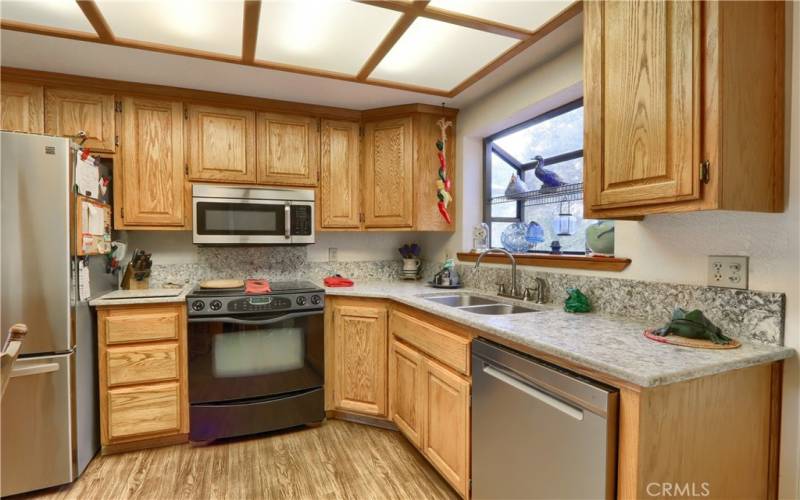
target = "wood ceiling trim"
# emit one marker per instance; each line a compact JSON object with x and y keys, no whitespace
{"x":565,"y":15}
{"x":412,"y":10}
{"x":252,"y":13}
{"x":96,"y":19}
{"x":451,"y":17}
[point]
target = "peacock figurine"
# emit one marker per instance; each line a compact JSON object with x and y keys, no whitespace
{"x":548,"y":177}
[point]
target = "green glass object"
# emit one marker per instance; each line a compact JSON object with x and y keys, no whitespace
{"x":693,"y":325}
{"x":577,"y":302}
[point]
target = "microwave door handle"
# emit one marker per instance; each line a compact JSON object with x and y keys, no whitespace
{"x":288,"y":220}
{"x":267,"y":321}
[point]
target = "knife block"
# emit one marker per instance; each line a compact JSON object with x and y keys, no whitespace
{"x":131,"y":283}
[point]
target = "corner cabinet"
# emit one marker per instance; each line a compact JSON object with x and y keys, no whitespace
{"x":22,"y":107}
{"x":68,"y":112}
{"x":389,"y":174}
{"x":668,"y":112}
{"x":153,"y":185}
{"x":359,"y":342}
{"x":221,"y":144}
{"x":288,"y":149}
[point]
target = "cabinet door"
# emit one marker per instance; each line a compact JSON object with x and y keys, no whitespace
{"x":446,"y":425}
{"x":22,"y":107}
{"x":288,"y":149}
{"x":152,"y":162}
{"x":388,"y":174}
{"x":406,"y":377}
{"x":339,"y":193}
{"x":642,"y":103}
{"x":360,"y":359}
{"x":221,"y":144}
{"x":69,"y":112}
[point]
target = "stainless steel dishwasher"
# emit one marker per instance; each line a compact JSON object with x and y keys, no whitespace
{"x":539,"y":431}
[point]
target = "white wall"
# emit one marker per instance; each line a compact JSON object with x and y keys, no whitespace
{"x":175,"y":247}
{"x":670,"y":248}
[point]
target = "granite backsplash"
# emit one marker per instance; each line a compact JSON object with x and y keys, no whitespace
{"x":745,"y":314}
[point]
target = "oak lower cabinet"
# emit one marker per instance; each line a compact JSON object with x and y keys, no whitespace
{"x":153,"y":186}
{"x":288,"y":149}
{"x":220,"y":144}
{"x":356,"y":337}
{"x":670,"y":124}
{"x":144,"y":400}
{"x":22,"y":107}
{"x":339,"y":200}
{"x":406,"y":383}
{"x":69,"y":112}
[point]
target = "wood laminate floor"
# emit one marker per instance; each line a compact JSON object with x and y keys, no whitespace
{"x":335,"y":460}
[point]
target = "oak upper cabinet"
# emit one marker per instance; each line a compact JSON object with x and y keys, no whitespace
{"x":406,"y":380}
{"x":340,"y":180}
{"x":67,"y":113}
{"x":447,"y":424}
{"x":153,"y":185}
{"x":221,"y":144}
{"x":288,"y":149}
{"x":670,"y":124}
{"x":388,"y":174}
{"x":22,"y":107}
{"x":360,"y":350}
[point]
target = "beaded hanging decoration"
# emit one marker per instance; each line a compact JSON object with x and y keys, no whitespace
{"x":443,"y":182}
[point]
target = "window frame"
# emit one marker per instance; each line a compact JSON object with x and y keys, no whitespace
{"x":489,"y":148}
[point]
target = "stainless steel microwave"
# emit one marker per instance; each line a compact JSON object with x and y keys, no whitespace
{"x":235,"y":215}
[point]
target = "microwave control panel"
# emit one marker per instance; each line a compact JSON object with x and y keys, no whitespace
{"x":301,"y":220}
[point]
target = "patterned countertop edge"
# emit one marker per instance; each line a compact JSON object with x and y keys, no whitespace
{"x":102,"y":301}
{"x":638,"y":361}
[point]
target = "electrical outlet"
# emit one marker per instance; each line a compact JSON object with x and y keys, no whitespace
{"x":729,"y":271}
{"x":333,"y":254}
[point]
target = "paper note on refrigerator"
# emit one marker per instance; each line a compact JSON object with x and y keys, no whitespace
{"x":84,"y":287}
{"x":87,"y":177}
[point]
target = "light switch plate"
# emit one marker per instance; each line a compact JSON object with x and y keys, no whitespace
{"x":333,"y":254}
{"x":729,"y":271}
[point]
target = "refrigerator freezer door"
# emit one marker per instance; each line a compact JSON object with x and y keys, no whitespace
{"x":35,"y":247}
{"x":36,"y":425}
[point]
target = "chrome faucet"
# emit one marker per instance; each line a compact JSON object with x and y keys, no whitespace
{"x":514,"y":293}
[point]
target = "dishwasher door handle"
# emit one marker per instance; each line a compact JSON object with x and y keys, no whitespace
{"x":533,"y":392}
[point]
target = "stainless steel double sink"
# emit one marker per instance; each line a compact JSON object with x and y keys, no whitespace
{"x":477,"y":304}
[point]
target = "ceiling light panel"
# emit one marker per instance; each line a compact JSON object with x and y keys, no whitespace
{"x":333,"y":35}
{"x":439,"y":55}
{"x":529,"y":15}
{"x":62,"y":14}
{"x":206,"y":25}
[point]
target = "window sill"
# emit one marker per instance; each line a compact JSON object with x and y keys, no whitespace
{"x":592,"y":263}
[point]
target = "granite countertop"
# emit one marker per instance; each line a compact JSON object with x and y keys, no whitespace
{"x":611,"y":345}
{"x":145,"y":296}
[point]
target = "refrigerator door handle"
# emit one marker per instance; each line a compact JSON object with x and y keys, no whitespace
{"x":38,"y":369}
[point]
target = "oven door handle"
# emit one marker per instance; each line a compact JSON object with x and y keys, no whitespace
{"x":265,"y":321}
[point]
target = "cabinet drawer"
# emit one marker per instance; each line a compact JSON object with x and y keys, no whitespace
{"x":446,"y":347}
{"x":125,"y":326}
{"x":146,"y":363}
{"x":134,"y":411}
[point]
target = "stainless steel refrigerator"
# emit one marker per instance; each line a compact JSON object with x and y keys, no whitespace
{"x":49,"y":411}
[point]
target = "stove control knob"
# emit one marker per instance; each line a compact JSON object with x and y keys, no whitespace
{"x":301,"y":301}
{"x":215,"y":305}
{"x":198,"y":305}
{"x":316,"y":299}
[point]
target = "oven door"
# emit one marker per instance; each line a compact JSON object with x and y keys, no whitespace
{"x":256,"y":356}
{"x":240,"y":221}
